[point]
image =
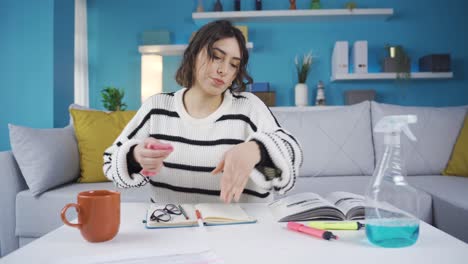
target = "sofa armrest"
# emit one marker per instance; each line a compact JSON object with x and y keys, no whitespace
{"x":12,"y":183}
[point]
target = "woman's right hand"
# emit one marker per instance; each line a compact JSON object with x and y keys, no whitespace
{"x":151,"y":154}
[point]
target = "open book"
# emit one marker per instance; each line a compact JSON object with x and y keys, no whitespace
{"x":212,"y":214}
{"x":310,"y":206}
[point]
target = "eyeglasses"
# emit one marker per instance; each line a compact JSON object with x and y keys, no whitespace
{"x":164,"y":215}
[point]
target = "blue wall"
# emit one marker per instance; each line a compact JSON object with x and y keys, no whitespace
{"x":422,"y":27}
{"x":36,"y":81}
{"x":27,"y":73}
{"x":26,"y":66}
{"x":114,"y":30}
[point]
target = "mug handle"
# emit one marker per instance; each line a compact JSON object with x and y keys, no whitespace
{"x":64,"y":217}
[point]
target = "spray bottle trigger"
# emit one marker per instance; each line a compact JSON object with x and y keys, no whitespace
{"x":408,"y":132}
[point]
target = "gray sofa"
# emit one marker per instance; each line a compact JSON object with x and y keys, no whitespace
{"x":340,"y":153}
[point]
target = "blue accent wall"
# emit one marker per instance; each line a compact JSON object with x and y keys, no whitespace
{"x":27,"y":65}
{"x":36,"y":82}
{"x":114,"y":32}
{"x":422,"y":27}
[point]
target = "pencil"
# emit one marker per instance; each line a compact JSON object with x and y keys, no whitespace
{"x":183,"y":212}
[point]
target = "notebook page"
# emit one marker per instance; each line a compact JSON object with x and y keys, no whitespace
{"x":222,"y":212}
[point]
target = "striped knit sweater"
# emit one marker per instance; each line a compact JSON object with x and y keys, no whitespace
{"x":199,"y":144}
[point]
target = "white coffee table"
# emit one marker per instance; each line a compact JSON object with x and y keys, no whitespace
{"x":263,"y":242}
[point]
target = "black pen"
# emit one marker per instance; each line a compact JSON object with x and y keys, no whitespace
{"x":183,"y":212}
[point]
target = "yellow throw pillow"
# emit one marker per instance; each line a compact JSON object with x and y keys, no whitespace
{"x":95,"y":132}
{"x":458,"y":163}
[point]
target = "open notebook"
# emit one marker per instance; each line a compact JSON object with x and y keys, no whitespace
{"x":212,"y":214}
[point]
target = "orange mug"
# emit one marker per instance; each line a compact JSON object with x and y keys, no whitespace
{"x":98,"y":214}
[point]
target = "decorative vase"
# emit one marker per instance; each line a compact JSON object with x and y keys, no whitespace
{"x":292,"y":4}
{"x":301,"y":94}
{"x":200,"y":6}
{"x":258,"y":4}
{"x":320,"y":99}
{"x":218,"y":7}
{"x":237,"y":5}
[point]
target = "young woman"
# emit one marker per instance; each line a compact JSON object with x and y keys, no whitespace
{"x":207,"y":141}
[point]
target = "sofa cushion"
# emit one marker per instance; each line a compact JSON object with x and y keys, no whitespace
{"x":436,"y":131}
{"x":450,"y":189}
{"x":12,"y":183}
{"x":450,"y":206}
{"x":354,"y":184}
{"x":82,"y":107}
{"x":458,"y":163}
{"x":335,"y":141}
{"x":95,"y":132}
{"x":36,"y":216}
{"x":47,"y":157}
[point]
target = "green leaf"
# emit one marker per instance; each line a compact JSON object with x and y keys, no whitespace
{"x":112,"y":98}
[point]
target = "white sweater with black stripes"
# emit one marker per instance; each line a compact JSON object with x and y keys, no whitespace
{"x":199,"y":144}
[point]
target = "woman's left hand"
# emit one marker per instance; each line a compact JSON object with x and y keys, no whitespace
{"x":236,"y":165}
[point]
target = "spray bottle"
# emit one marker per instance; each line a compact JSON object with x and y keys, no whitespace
{"x":391,"y":203}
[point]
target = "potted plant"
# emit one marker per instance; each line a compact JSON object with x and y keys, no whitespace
{"x":112,"y":99}
{"x":350,"y":5}
{"x":315,"y":4}
{"x":303,"y":66}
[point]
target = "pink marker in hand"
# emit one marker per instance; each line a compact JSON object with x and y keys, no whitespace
{"x":160,"y":147}
{"x":147,"y":173}
{"x":156,"y":147}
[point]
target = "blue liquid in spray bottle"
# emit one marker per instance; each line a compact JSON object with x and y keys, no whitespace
{"x":391,"y":203}
{"x":392,"y":236}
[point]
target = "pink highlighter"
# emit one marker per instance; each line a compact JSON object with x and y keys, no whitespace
{"x":327,"y":235}
{"x":157,"y":147}
{"x":160,"y":147}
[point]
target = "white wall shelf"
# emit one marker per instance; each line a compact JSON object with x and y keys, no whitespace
{"x":389,"y":76}
{"x":169,"y":50}
{"x":293,"y":15}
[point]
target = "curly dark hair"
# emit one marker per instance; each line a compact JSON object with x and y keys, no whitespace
{"x":206,"y":36}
